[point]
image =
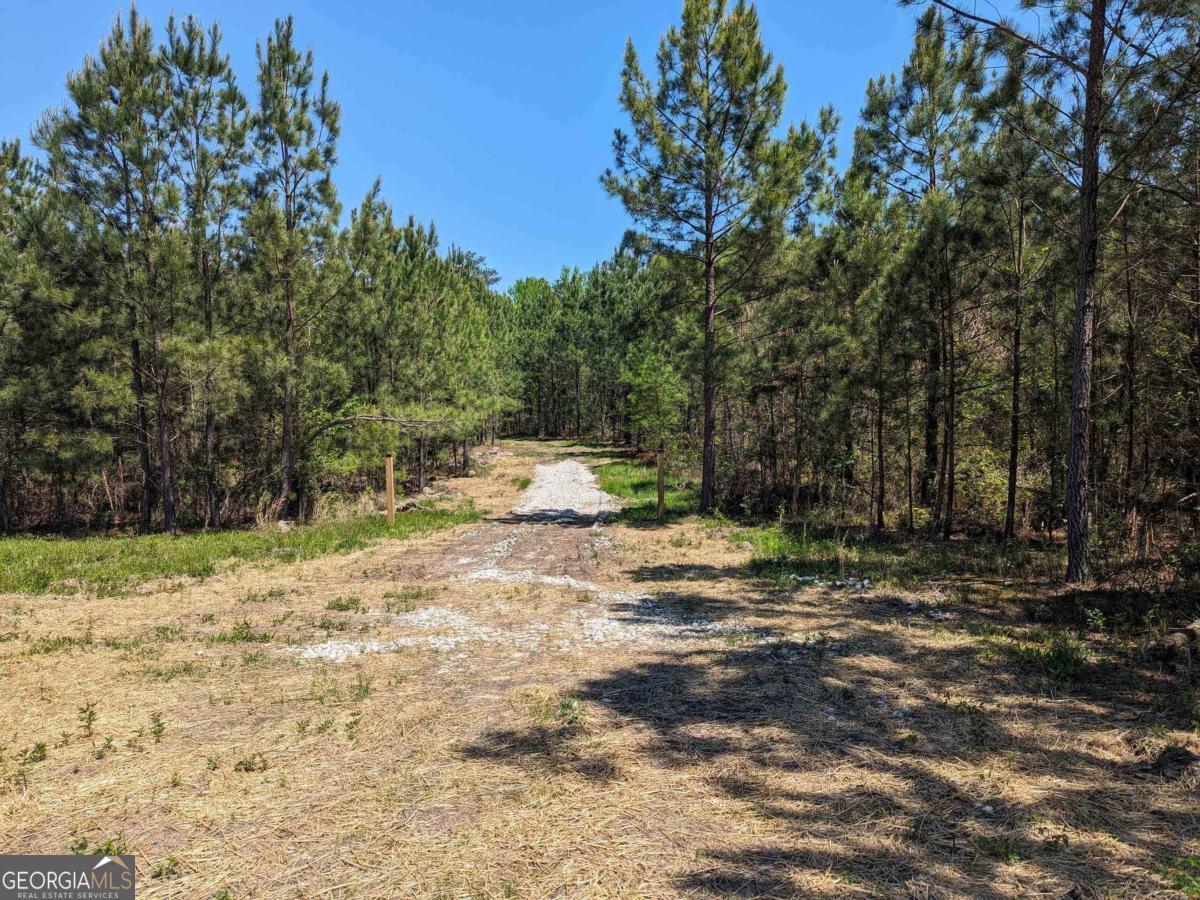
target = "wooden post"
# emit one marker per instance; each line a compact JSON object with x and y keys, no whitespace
{"x":389,"y":466}
{"x":662,"y":500}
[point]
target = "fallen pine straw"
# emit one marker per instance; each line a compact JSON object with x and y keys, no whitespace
{"x":819,"y":743}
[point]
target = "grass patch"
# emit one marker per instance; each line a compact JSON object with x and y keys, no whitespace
{"x":1057,"y":657}
{"x":255,"y":762}
{"x":637,"y":484}
{"x":107,"y":565}
{"x":406,"y":600}
{"x":242,"y":633}
{"x":1184,"y":875}
{"x":60,"y":642}
{"x":782,"y":550}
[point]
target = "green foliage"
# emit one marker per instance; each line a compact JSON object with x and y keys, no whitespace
{"x":1184,"y":875}
{"x":784,"y":550}
{"x":636,"y":483}
{"x":108,"y":565}
{"x":200,"y":338}
{"x":655,"y":395}
{"x":191,"y":334}
{"x":242,"y":633}
{"x":255,"y":762}
{"x":107,"y":847}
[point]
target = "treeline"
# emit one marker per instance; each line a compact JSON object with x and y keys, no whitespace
{"x":988,"y":321}
{"x":189,"y":336}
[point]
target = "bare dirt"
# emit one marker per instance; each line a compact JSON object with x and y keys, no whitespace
{"x":550,"y":703}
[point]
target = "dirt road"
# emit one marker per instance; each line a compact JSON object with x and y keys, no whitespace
{"x":553,"y":537}
{"x":554,"y":704}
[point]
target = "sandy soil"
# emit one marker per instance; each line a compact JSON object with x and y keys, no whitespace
{"x":552,"y":704}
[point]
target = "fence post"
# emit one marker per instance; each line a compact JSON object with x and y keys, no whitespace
{"x":389,"y":465}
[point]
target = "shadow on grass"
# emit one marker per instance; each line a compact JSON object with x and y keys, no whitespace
{"x":552,"y":749}
{"x":862,"y":763}
{"x":785,"y":550}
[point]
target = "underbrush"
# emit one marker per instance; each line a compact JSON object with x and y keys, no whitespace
{"x":108,"y":564}
{"x":784,"y":549}
{"x":637,"y":484}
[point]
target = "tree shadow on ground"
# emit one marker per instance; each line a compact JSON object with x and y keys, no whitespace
{"x":892,"y":756}
{"x":554,"y":749}
{"x":813,"y":720}
{"x":564,"y":518}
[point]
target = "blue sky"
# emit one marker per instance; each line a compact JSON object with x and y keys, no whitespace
{"x":493,"y":119}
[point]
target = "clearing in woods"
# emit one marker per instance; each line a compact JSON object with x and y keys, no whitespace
{"x":553,"y":703}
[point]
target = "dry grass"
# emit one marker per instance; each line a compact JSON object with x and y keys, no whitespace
{"x":870,"y":748}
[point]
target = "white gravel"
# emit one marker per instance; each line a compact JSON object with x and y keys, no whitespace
{"x":561,"y":492}
{"x":564,"y":490}
{"x":450,"y":628}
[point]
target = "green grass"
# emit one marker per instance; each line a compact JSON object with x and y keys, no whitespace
{"x":782,"y":550}
{"x":1184,"y":875}
{"x":785,"y":549}
{"x":108,"y":565}
{"x":1056,"y":657}
{"x":637,"y":484}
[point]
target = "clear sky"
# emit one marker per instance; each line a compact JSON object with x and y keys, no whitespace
{"x":492,"y":118}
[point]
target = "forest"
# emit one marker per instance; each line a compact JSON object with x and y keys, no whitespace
{"x":984,"y":324}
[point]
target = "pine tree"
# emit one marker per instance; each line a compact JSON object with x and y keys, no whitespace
{"x":108,"y":148}
{"x":916,"y":132}
{"x":294,"y":140}
{"x":703,"y":173}
{"x":655,"y":401}
{"x":210,"y":123}
{"x":1087,"y":53}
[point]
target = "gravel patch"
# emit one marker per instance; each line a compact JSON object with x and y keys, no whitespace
{"x":560,"y":496}
{"x":564,"y":490}
{"x":452,"y":628}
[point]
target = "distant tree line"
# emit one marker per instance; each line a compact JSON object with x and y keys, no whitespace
{"x":987,"y":321}
{"x":189,"y":334}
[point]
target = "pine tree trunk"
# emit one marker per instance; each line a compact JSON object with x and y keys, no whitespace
{"x":1194,"y":457}
{"x":933,"y":355}
{"x":949,"y":451}
{"x":662,"y":494}
{"x":578,"y":403}
{"x":287,"y":456}
{"x":930,"y":469}
{"x":1128,"y":376}
{"x":708,"y":466}
{"x":146,"y":507}
{"x":1014,"y":430}
{"x":5,"y":522}
{"x":1014,"y":425}
{"x":166,"y":469}
{"x":880,"y":485}
{"x":908,"y":447}
{"x":1079,"y":566}
{"x":212,"y":502}
{"x":162,"y":423}
{"x":421,"y":474}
